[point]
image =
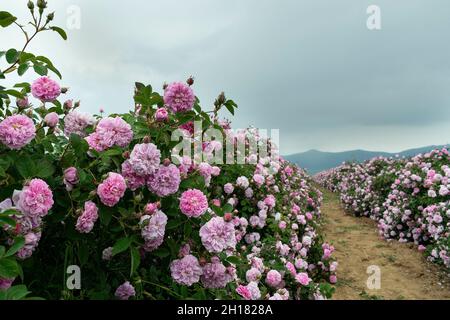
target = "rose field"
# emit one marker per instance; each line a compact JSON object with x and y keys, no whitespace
{"x":102,"y":195}
{"x":146,"y":204}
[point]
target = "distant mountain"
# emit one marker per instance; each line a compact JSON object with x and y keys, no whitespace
{"x":315,"y":161}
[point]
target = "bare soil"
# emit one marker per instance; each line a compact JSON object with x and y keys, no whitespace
{"x":405,"y":273}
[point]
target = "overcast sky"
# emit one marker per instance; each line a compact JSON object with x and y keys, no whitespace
{"x":310,"y":68}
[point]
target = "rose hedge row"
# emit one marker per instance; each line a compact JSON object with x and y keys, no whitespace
{"x":409,"y":198}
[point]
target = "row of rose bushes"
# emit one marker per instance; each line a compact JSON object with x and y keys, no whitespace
{"x":187,"y":230}
{"x":408,"y":197}
{"x":104,"y":193}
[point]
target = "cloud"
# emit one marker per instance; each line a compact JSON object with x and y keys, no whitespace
{"x":309,"y":68}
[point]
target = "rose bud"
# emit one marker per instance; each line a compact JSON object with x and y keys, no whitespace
{"x":51,"y":119}
{"x":228,"y":217}
{"x":161,"y":114}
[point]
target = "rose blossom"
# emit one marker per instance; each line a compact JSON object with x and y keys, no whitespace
{"x":193,"y":203}
{"x":86,"y":221}
{"x":145,"y":159}
{"x":110,"y":132}
{"x":112,"y":189}
{"x":70,"y":178}
{"x":303,"y":278}
{"x":133,"y":180}
{"x":45,"y":89}
{"x":215,"y":274}
{"x":153,"y":230}
{"x":5,"y":284}
{"x":273,"y":278}
{"x":165,"y":181}
{"x":186,"y":271}
{"x":36,"y":198}
{"x":253,"y":274}
{"x":161,"y":114}
{"x":228,"y":188}
{"x":107,"y":254}
{"x":218,"y":235}
{"x":125,"y":291}
{"x":76,"y":122}
{"x":179,"y":97}
{"x":17,"y":131}
{"x":51,"y":119}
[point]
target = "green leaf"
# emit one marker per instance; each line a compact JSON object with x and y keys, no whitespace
{"x":121,"y":245}
{"x":17,"y":292}
{"x":40,"y":69}
{"x":25,"y":57}
{"x":6,"y":19}
{"x":162,"y":253}
{"x":79,"y":145}
{"x":2,"y":251}
{"x":12,"y":55}
{"x":83,"y":254}
{"x":230,"y":109}
{"x":26,"y":167}
{"x":8,"y":268}
{"x":135,"y":260}
{"x":22,"y":69}
{"x":13,"y":93}
{"x":105,"y":216}
{"x":233,"y":260}
{"x":187,"y":229}
{"x":45,"y":169}
{"x":227,"y":208}
{"x":49,"y":65}
{"x":7,"y":220}
{"x":61,"y":32}
{"x":19,"y":242}
{"x":24,"y":85}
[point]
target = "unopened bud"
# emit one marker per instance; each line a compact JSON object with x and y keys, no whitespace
{"x":50,"y":17}
{"x":228,"y":216}
{"x":202,"y":261}
{"x":166,"y":162}
{"x":190,"y":81}
{"x":126,"y":154}
{"x":68,"y":104}
{"x":42,"y":4}
{"x":146,"y":139}
{"x":30,"y":5}
{"x":165,"y":85}
{"x":22,"y":103}
{"x":221,"y":98}
{"x":77,"y":104}
{"x":64,"y":90}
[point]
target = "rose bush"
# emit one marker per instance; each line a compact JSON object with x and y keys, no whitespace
{"x":105,"y":194}
{"x":409,"y":198}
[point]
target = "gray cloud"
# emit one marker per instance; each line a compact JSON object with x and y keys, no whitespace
{"x":310,"y":68}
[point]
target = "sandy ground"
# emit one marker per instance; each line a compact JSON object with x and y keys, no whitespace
{"x":405,"y":274}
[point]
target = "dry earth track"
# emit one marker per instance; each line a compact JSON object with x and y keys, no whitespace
{"x":405,"y":274}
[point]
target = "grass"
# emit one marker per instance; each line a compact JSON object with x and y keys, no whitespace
{"x":390,"y":257}
{"x":367,"y":296}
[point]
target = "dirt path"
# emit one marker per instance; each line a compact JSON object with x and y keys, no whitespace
{"x":405,"y":274}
